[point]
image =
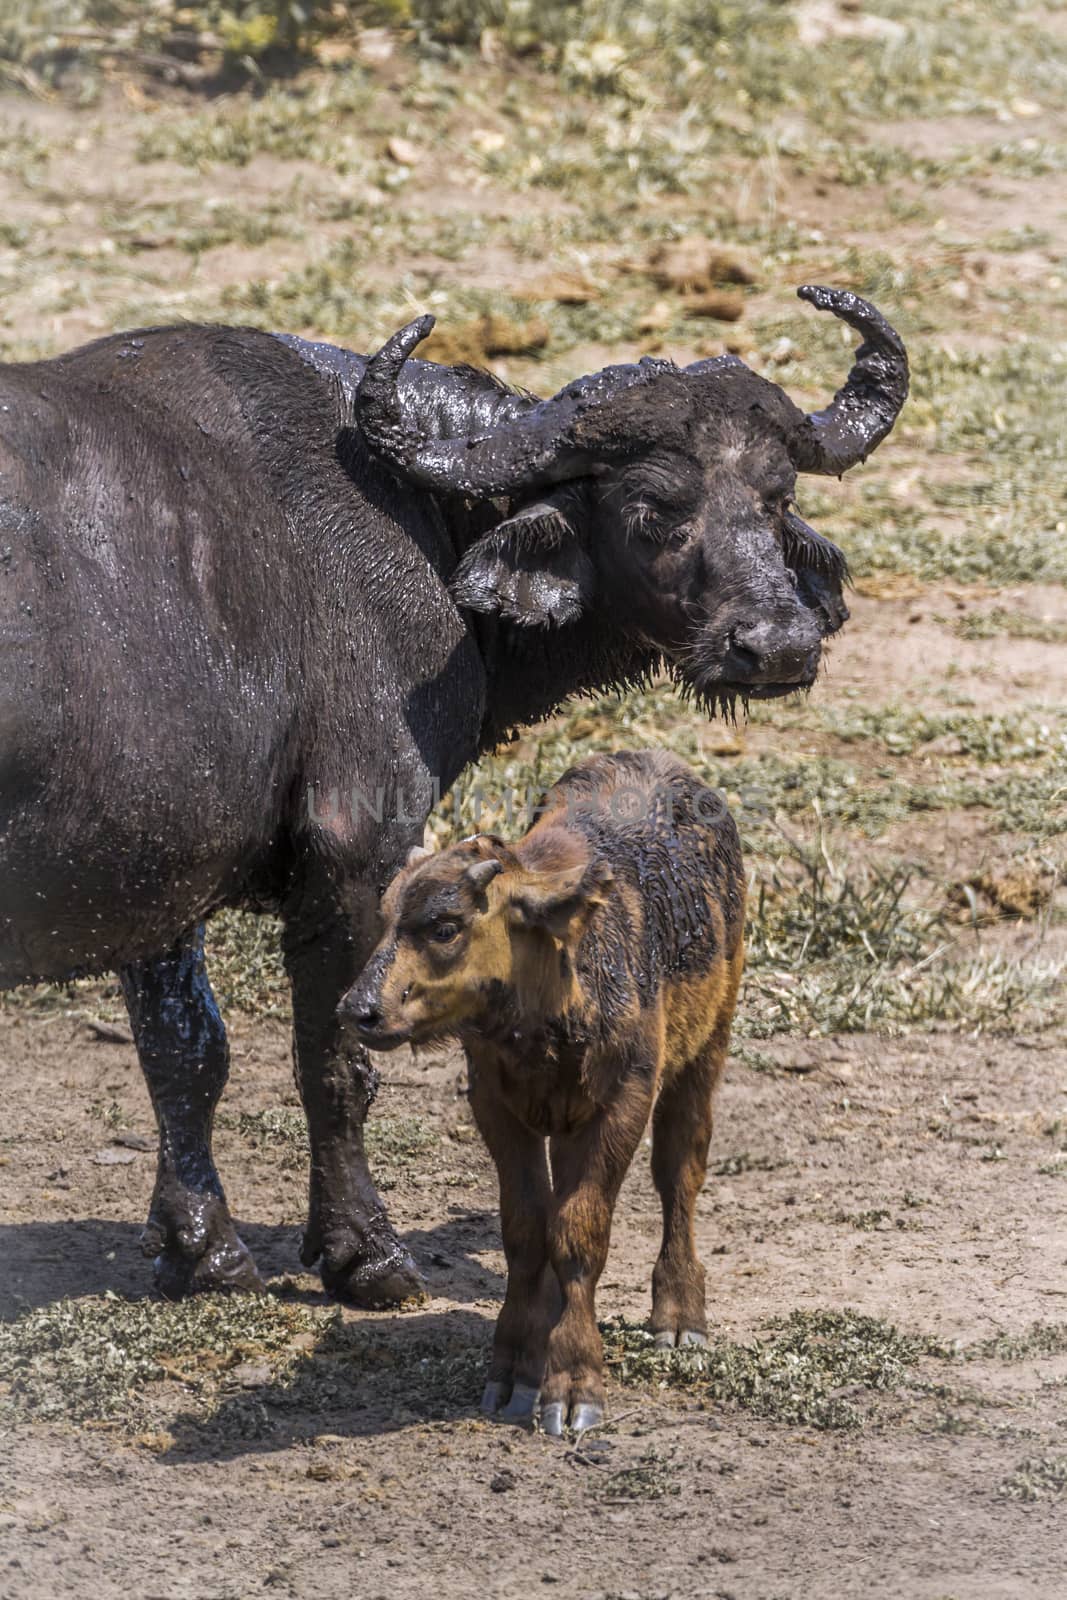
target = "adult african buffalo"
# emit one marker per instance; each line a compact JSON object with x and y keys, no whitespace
{"x":239,"y":571}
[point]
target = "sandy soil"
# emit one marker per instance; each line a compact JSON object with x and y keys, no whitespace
{"x":362,"y":1497}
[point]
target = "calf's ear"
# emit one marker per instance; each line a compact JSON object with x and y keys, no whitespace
{"x":531,"y":568}
{"x":562,"y":902}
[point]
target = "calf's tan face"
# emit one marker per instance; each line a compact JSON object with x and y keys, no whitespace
{"x":466,"y":932}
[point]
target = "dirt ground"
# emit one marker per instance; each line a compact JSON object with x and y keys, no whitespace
{"x":914,"y":1177}
{"x":910,"y":1504}
{"x":902,"y":1178}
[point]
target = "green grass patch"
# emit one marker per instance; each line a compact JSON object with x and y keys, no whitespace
{"x":653,"y":1476}
{"x":248,"y":1365}
{"x":1003,"y":622}
{"x":78,"y":1360}
{"x":1036,"y":1478}
{"x":822,"y":1369}
{"x":1040,"y":1339}
{"x":791,"y":1373}
{"x":280,"y":1129}
{"x":982,"y":737}
{"x":317,"y":122}
{"x":244,"y":956}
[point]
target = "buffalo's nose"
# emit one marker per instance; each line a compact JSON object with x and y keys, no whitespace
{"x":766,"y":653}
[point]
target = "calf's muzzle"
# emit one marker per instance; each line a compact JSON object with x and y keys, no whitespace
{"x":360,"y":1011}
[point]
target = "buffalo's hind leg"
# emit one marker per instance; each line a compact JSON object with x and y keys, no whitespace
{"x":181,"y":1042}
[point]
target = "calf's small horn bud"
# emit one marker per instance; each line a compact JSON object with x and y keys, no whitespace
{"x":481,"y":873}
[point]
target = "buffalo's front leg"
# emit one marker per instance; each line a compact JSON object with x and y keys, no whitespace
{"x":348,"y":1231}
{"x":182,"y":1047}
{"x":531,"y":1302}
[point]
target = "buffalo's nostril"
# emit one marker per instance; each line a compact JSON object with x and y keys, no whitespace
{"x":747,"y":654}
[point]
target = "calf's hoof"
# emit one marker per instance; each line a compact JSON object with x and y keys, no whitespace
{"x":585,"y":1414}
{"x":506,"y":1402}
{"x":375,"y":1282}
{"x":669,"y":1339}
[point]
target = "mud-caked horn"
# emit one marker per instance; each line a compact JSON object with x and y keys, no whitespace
{"x":865,"y":409}
{"x":549,"y":442}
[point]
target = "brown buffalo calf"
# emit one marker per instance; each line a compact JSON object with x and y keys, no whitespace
{"x":591,"y":972}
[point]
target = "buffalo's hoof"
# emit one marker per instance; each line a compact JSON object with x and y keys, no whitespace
{"x":582,"y":1416}
{"x":517,"y":1406}
{"x":668,"y":1339}
{"x":224,"y":1266}
{"x":377,"y":1283}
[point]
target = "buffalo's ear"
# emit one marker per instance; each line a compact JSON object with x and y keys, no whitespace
{"x":531,"y":568}
{"x":562,"y":902}
{"x":822,"y":593}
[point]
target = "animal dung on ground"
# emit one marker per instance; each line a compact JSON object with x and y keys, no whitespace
{"x":724,"y":305}
{"x":565,"y":288}
{"x":491,"y":335}
{"x":695,"y":264}
{"x":992,"y":896}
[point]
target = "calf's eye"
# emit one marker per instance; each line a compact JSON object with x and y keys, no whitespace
{"x":445,"y":932}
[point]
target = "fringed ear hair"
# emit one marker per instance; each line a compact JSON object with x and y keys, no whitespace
{"x":532,"y":568}
{"x":804,"y":548}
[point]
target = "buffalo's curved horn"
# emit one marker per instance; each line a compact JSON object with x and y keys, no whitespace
{"x":542,"y":446}
{"x":378,"y":408}
{"x":865,"y":409}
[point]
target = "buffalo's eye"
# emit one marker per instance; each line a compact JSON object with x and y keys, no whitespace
{"x":680,"y":533}
{"x":658,"y":526}
{"x":444,"y":932}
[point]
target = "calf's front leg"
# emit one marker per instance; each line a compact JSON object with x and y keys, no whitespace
{"x":531,"y":1301}
{"x":587,"y":1168}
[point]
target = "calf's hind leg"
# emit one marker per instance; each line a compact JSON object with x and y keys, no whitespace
{"x":681,"y":1133}
{"x":184,"y":1055}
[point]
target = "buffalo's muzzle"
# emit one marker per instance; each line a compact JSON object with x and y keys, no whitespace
{"x":766,"y":653}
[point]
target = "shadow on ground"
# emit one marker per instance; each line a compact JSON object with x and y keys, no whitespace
{"x":42,"y":1262}
{"x":361,"y":1378}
